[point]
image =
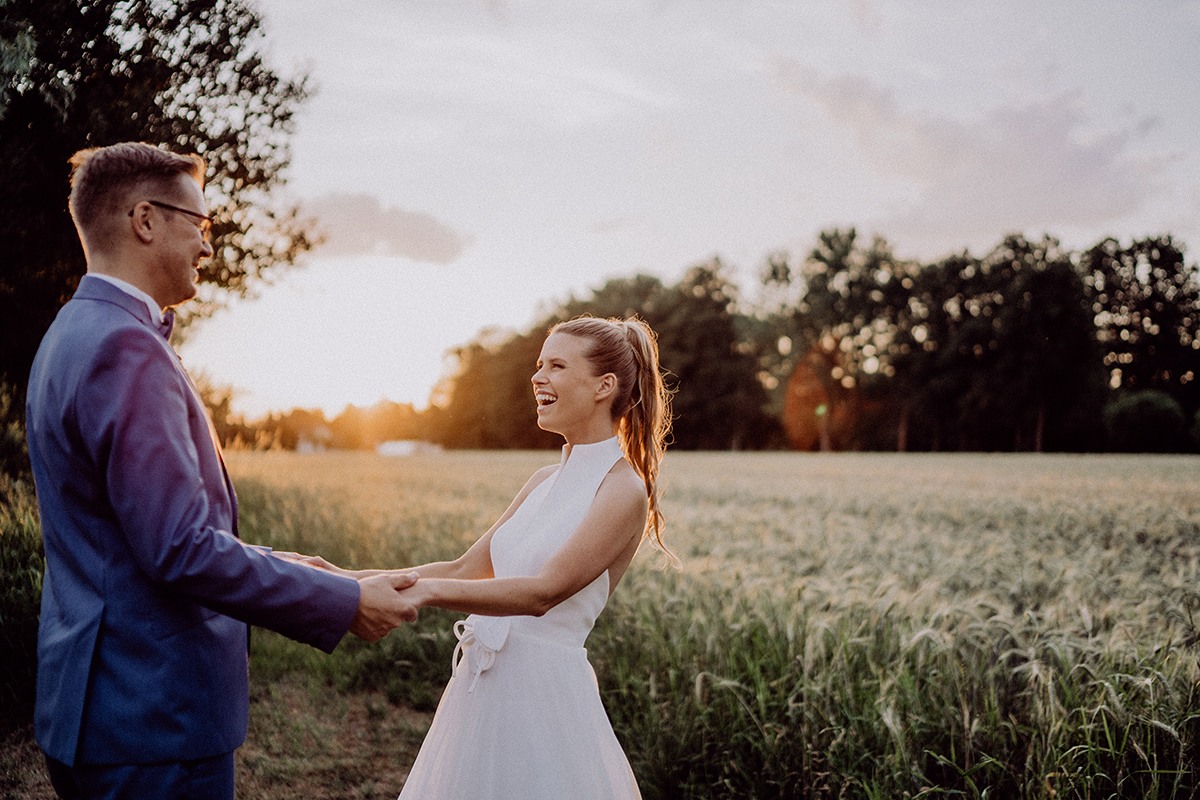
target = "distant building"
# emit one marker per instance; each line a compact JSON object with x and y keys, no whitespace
{"x":314,"y":440}
{"x":407,"y":447}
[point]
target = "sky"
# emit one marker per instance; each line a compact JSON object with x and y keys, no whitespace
{"x":475,"y":163}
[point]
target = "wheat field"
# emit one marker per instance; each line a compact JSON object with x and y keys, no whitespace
{"x":1104,"y":546}
{"x":841,"y":625}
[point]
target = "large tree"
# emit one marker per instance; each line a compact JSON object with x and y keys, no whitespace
{"x":488,"y":403}
{"x":185,"y":75}
{"x":719,"y":403}
{"x":850,"y":323}
{"x":1042,"y":364}
{"x":718,"y":400}
{"x":1146,"y":305}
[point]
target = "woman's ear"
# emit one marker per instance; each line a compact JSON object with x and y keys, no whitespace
{"x":607,"y":386}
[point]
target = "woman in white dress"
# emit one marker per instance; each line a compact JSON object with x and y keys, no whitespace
{"x":521,"y":716}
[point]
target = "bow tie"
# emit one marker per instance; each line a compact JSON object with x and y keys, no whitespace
{"x":167,"y":325}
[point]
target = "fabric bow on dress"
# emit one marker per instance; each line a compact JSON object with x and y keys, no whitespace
{"x":479,"y":639}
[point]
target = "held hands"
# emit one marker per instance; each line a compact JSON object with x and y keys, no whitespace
{"x":382,"y":602}
{"x":382,"y":605}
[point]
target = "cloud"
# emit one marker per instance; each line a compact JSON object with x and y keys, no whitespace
{"x":865,"y":14}
{"x":358,"y":224}
{"x":1021,"y":166}
{"x":617,"y":224}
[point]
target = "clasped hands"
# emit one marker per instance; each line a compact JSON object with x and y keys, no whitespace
{"x":382,"y":602}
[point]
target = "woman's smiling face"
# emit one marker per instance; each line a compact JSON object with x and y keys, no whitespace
{"x":566,"y":391}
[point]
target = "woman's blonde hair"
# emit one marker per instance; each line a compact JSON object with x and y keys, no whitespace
{"x":642,"y":407}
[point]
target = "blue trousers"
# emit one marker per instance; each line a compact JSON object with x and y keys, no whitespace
{"x":203,"y":779}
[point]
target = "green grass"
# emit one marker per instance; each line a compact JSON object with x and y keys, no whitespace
{"x":22,"y":563}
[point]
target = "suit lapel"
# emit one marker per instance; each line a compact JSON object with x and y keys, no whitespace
{"x":216,"y":440}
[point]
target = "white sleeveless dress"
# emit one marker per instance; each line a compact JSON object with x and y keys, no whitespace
{"x":521,"y":717}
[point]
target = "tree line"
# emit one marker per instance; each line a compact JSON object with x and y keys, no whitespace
{"x":1030,"y":347}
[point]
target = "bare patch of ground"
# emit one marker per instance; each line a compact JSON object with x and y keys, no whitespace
{"x":305,"y":741}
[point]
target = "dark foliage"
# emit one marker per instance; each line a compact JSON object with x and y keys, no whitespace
{"x":1146,"y":421}
{"x":187,"y":76}
{"x":1017,"y":350}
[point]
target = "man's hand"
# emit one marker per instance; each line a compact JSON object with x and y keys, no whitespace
{"x":381,"y":606}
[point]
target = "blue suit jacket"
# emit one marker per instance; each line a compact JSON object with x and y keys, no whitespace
{"x":142,"y":643}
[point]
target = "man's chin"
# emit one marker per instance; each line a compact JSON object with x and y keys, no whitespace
{"x":181,"y":298}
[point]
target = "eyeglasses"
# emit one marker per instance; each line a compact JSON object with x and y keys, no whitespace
{"x":205,"y":224}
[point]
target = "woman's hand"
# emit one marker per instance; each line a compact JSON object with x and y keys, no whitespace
{"x":316,"y":562}
{"x":416,"y":594}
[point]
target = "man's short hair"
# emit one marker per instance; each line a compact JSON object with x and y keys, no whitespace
{"x":104,"y":178}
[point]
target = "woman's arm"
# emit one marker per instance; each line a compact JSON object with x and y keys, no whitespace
{"x":611,"y":529}
{"x":475,"y":564}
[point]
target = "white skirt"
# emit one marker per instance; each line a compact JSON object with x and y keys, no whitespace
{"x":529,"y":725}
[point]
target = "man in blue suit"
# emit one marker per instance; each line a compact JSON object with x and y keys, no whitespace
{"x":142,"y":686}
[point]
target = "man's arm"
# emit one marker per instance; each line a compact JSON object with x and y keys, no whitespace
{"x":151,"y":442}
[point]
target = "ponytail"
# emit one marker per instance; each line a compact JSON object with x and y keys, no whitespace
{"x":642,"y":408}
{"x":644,"y":426}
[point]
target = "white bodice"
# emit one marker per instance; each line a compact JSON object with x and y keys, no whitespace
{"x":536,"y":530}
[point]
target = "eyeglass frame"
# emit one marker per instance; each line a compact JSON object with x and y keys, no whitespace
{"x":206,"y":222}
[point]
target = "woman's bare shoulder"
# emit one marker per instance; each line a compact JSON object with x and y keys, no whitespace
{"x":623,"y":481}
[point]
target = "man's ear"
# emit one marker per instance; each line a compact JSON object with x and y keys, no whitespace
{"x":141,"y":222}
